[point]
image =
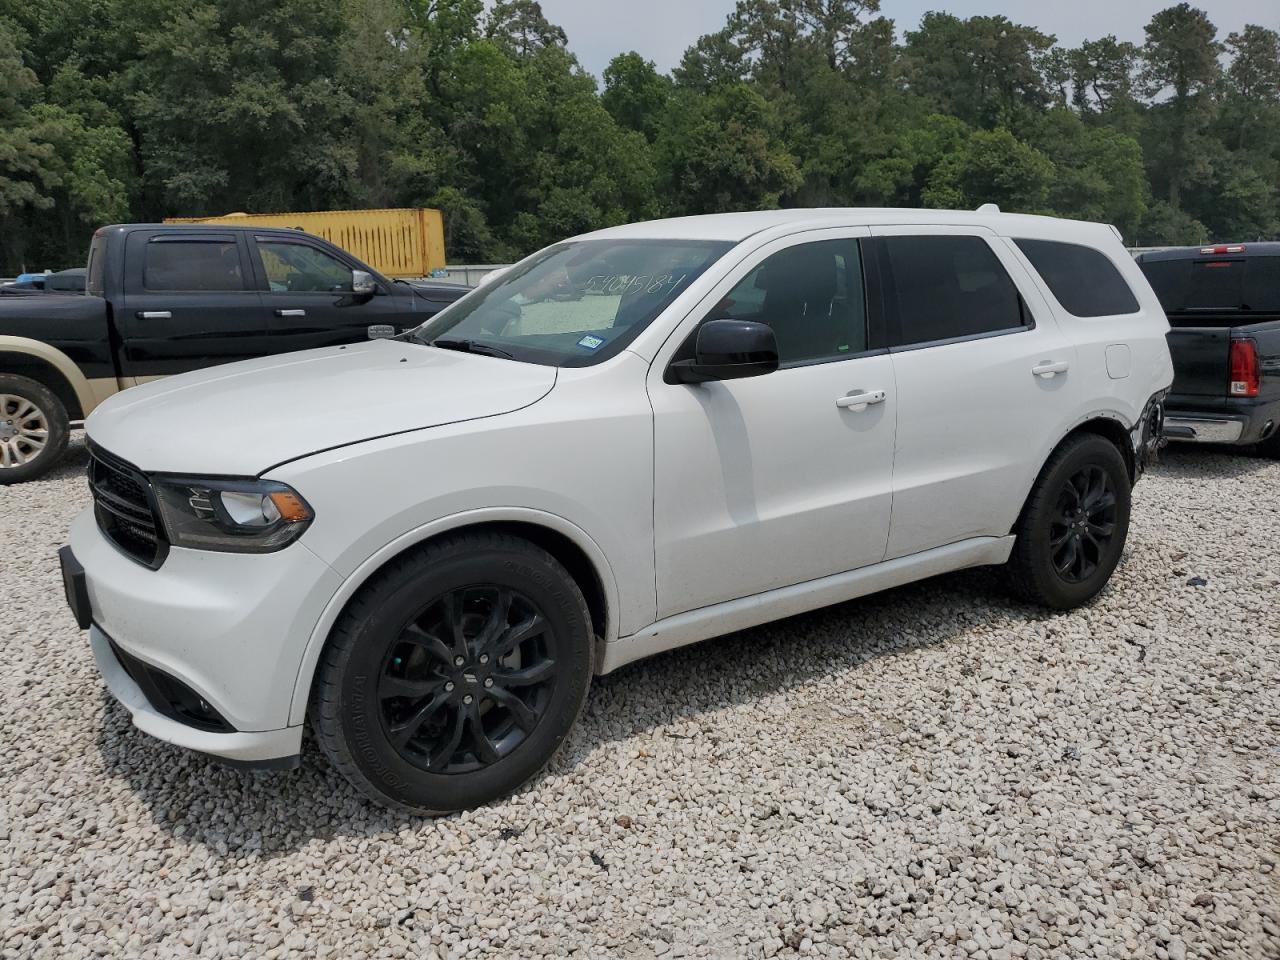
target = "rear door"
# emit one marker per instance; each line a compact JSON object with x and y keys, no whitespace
{"x":189,"y":303}
{"x":983,"y":377}
{"x":306,"y":292}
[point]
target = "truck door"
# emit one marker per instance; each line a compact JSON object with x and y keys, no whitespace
{"x":307,"y":296}
{"x":188,"y":303}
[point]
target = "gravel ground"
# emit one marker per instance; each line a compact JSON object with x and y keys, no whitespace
{"x":932,"y":772}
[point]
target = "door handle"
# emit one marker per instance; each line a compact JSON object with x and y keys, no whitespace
{"x":857,"y":402}
{"x":291,"y":313}
{"x":1048,"y":369}
{"x":155,"y":315}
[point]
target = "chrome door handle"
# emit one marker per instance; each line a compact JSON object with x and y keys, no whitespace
{"x":857,"y":402}
{"x":291,"y":313}
{"x":1048,"y":369}
{"x":155,"y":315}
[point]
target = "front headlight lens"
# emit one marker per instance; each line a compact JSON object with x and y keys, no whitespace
{"x":237,"y":516}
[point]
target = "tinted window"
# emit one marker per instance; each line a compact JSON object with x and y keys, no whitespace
{"x":1214,"y":284}
{"x":811,"y":294}
{"x":192,"y":265}
{"x":574,"y":304}
{"x":299,"y":268}
{"x":1085,"y":281}
{"x":1262,"y":284}
{"x":96,"y":268}
{"x":948,"y":287}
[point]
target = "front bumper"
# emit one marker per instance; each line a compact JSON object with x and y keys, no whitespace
{"x":231,"y":628}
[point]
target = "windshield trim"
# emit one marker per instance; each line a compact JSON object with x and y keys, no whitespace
{"x":440,"y":325}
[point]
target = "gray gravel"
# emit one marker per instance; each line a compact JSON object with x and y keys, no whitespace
{"x":932,"y":772}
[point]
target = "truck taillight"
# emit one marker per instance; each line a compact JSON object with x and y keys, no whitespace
{"x":1244,"y":368}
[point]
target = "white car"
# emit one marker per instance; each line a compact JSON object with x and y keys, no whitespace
{"x":630,"y":441}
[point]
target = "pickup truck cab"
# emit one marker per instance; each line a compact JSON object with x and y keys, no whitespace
{"x":162,"y":299}
{"x":1223,"y":305}
{"x":631,"y":440}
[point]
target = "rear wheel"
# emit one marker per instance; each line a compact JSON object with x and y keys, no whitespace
{"x":1073,"y":529}
{"x":455,"y":675}
{"x":33,"y":429}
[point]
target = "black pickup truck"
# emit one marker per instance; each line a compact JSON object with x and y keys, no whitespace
{"x":167,"y":298}
{"x":1223,"y":304}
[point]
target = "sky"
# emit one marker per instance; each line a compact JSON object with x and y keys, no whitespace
{"x":661,"y":30}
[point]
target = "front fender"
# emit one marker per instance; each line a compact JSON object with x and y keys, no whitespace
{"x":86,"y":396}
{"x":470,"y":518}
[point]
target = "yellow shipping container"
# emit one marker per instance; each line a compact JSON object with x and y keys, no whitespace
{"x":405,"y":242}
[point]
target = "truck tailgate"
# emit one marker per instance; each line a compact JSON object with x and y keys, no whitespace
{"x":1200,"y":359}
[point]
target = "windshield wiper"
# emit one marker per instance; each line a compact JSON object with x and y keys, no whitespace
{"x":471,"y":346}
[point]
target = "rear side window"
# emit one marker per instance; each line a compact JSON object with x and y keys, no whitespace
{"x":945,"y":288}
{"x":1084,"y":280}
{"x":191,"y":265}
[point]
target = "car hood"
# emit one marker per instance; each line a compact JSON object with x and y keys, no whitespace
{"x":243,"y":418}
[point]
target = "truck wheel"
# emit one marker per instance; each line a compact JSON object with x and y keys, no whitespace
{"x":33,"y":428}
{"x":1073,"y":528}
{"x":455,"y":674}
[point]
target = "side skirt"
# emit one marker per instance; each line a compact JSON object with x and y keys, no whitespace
{"x":722,"y":618}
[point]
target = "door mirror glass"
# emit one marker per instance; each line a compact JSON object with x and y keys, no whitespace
{"x":363,"y":284}
{"x":381,"y":331}
{"x":729,"y":350}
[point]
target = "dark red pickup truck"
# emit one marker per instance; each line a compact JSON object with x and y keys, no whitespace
{"x":1223,"y":305}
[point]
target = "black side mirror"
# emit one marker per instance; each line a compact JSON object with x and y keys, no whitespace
{"x":728,"y":350}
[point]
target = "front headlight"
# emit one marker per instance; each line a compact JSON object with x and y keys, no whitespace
{"x":237,"y":516}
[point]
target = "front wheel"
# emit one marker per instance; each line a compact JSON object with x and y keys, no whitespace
{"x":33,"y":429}
{"x":455,"y":675}
{"x":1073,"y":529}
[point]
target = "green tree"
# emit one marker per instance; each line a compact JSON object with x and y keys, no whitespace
{"x":636,"y":95}
{"x":1180,"y":57}
{"x":991,"y":166}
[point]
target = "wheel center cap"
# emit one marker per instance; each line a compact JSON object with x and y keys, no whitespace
{"x":7,"y":431}
{"x":470,"y":678}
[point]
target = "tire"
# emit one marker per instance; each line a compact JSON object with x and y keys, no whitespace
{"x":1085,"y":473}
{"x":33,"y":429}
{"x":412,"y":729}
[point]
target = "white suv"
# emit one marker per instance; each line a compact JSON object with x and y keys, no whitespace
{"x":630,"y":441}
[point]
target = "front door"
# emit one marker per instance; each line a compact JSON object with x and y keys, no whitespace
{"x":783,"y":478}
{"x":306,"y":290}
{"x":984,"y":379}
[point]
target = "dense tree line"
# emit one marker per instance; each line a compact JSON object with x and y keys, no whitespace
{"x":117,"y":110}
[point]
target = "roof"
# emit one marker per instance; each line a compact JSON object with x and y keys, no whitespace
{"x":739,"y":226}
{"x":1264,"y":249}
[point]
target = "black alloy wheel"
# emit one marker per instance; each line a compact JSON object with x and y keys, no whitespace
{"x":1083,"y":525}
{"x":468,"y":680}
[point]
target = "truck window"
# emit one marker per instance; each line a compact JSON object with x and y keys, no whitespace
{"x":301,"y":268}
{"x":1198,"y":285}
{"x":96,"y":268}
{"x":1262,"y":284}
{"x":946,"y":288}
{"x":192,"y":265}
{"x":1083,"y":280}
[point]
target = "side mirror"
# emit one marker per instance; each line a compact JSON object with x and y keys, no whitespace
{"x":728,"y":350}
{"x":381,"y":331}
{"x":363,"y":284}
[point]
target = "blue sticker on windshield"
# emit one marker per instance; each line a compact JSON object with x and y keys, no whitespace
{"x":590,"y":342}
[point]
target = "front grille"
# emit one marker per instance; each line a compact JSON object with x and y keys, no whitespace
{"x":122,"y":503}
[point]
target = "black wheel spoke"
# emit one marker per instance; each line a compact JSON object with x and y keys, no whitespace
{"x":1067,"y":558}
{"x":443,"y":752}
{"x":403,"y":732}
{"x":530,"y":676}
{"x":1058,"y":542}
{"x":486,"y":750}
{"x":429,"y":642}
{"x":1104,"y":501}
{"x":404,"y":687}
{"x":515,"y":635}
{"x":467,"y":679}
{"x":524,"y":717}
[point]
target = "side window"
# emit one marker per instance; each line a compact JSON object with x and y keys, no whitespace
{"x":813,"y":297}
{"x":1084,"y":280}
{"x":948,"y":287}
{"x":301,"y":268}
{"x":192,"y":265}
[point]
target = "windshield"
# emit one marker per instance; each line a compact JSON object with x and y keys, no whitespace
{"x":573,"y":304}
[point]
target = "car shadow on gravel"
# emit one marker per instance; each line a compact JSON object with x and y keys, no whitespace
{"x":235,"y":812}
